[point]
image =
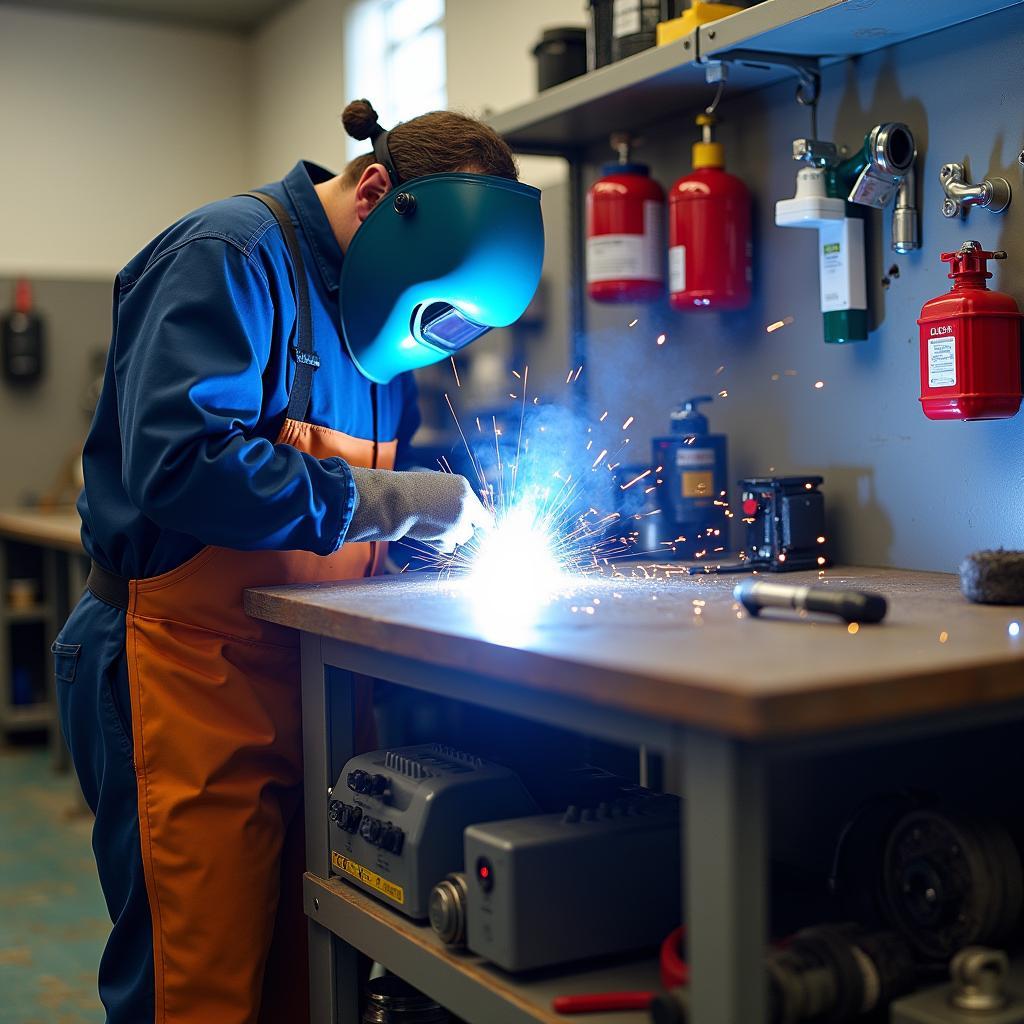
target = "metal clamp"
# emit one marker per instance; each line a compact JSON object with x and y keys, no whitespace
{"x":979,"y":976}
{"x":993,"y":194}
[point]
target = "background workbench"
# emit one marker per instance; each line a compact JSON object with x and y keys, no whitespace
{"x":62,"y":571}
{"x":669,"y":663}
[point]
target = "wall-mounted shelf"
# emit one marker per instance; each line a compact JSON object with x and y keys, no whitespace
{"x":668,"y":80}
{"x":837,"y":28}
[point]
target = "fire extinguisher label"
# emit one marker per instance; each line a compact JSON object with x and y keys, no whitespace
{"x":677,"y":268}
{"x":942,"y":362}
{"x":626,"y":18}
{"x":625,"y":257}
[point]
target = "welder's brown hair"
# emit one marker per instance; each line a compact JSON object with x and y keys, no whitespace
{"x":431,"y":144}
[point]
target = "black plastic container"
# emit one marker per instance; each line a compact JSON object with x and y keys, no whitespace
{"x":634,"y":26}
{"x":389,"y":1000}
{"x":561,"y":54}
{"x":599,"y":34}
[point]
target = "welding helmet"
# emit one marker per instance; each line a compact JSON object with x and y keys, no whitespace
{"x":439,"y":261}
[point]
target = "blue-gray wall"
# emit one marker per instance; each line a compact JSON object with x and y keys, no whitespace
{"x":901,"y":490}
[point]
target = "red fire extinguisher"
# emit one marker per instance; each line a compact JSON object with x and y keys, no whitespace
{"x":625,"y":232}
{"x":970,"y":344}
{"x":709,"y":256}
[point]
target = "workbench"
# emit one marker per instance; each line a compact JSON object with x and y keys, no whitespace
{"x":57,"y":534}
{"x":668,"y":663}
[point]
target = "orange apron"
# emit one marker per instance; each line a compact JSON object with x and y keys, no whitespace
{"x":218,"y":757}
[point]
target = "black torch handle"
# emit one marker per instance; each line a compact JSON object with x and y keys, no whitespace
{"x":850,"y":605}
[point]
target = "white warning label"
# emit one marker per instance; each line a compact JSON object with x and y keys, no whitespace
{"x":942,"y":362}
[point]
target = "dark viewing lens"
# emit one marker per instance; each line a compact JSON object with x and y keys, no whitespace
{"x":446,"y":327}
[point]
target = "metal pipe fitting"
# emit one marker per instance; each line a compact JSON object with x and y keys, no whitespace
{"x":906,"y":231}
{"x":993,"y":194}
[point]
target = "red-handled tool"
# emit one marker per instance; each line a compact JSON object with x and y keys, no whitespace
{"x":602,"y":1002}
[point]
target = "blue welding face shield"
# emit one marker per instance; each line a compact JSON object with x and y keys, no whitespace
{"x":438,"y":262}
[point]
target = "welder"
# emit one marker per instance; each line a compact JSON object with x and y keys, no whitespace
{"x":256,"y":396}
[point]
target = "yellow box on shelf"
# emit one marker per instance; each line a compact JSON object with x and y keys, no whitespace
{"x":701,"y":13}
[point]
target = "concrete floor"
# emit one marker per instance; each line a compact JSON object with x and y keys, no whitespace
{"x":53,"y":921}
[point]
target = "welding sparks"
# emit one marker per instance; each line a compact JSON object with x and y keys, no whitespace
{"x":661,"y":339}
{"x":625,"y":426}
{"x":633,"y":323}
{"x":455,"y":370}
{"x":635,"y":480}
{"x":779,"y":323}
{"x":819,"y":384}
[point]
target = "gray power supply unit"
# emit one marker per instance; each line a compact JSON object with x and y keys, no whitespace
{"x":397,"y":818}
{"x":553,"y":888}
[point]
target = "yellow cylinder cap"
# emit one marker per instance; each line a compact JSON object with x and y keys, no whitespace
{"x":707,"y":153}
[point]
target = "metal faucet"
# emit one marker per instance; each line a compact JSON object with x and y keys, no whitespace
{"x":881,"y":168}
{"x":906,"y":232}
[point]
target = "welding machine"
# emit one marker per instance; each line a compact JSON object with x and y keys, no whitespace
{"x":397,"y":817}
{"x":785,"y":521}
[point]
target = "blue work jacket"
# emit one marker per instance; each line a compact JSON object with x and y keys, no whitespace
{"x":181,"y":451}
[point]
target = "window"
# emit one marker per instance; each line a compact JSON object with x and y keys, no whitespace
{"x":395,"y":57}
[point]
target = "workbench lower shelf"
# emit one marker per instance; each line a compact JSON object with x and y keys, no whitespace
{"x":465,"y":984}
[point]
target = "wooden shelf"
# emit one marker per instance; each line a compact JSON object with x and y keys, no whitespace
{"x":465,"y":984}
{"x":669,"y":80}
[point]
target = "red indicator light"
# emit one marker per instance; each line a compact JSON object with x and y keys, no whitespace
{"x":749,"y":506}
{"x":484,"y":874}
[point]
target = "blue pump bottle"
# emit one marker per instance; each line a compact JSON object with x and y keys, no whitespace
{"x":695,"y":474}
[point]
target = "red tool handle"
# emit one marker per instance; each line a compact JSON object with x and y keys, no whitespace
{"x":602,"y":1002}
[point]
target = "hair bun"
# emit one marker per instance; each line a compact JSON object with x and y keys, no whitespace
{"x":359,"y":119}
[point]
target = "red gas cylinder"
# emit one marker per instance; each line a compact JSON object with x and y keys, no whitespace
{"x":709,"y":256}
{"x":970,"y":344}
{"x":625,"y":233}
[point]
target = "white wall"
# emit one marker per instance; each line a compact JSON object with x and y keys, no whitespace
{"x":490,"y":64}
{"x":110,"y":130}
{"x":296,"y":89}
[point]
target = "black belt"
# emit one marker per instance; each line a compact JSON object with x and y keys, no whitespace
{"x":108,"y":587}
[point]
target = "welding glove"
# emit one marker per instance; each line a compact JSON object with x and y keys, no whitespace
{"x":439,"y":509}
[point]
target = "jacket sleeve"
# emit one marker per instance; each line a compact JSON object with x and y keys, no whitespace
{"x":195,"y":333}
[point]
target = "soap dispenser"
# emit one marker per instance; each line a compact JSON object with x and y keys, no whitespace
{"x":694,"y":469}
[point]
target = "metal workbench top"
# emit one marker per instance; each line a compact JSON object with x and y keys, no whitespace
{"x":679,"y":648}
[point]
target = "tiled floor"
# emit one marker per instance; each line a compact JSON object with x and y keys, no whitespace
{"x":53,"y":921}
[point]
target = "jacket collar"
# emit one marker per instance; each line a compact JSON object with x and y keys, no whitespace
{"x":299,"y":184}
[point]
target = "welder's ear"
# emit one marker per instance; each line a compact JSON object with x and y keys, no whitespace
{"x":373,"y":185}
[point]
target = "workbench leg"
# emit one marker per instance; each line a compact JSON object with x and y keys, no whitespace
{"x":328,"y":738}
{"x":725,"y":851}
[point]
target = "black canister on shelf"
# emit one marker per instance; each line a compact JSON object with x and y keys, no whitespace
{"x":561,"y":54}
{"x":389,"y":1000}
{"x":634,"y":26}
{"x":599,"y":34}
